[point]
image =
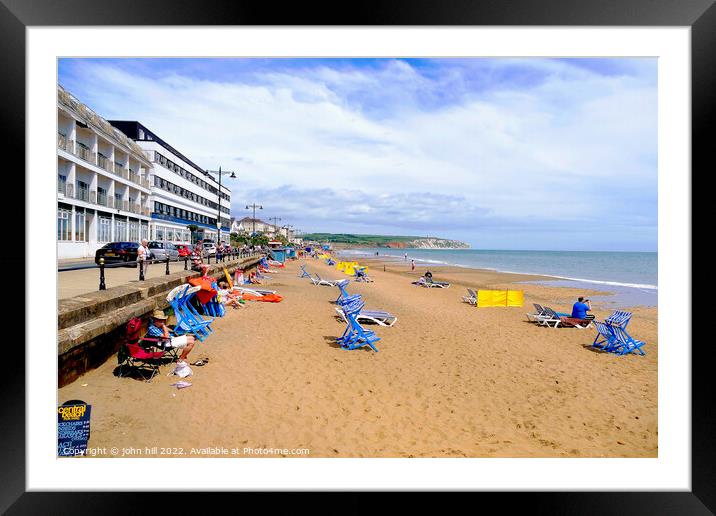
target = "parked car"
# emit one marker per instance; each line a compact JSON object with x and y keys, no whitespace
{"x":117,"y":252}
{"x":209,"y":248}
{"x":184,"y":250}
{"x":160,"y":250}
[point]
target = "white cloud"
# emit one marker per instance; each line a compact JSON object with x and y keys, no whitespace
{"x":391,"y":147}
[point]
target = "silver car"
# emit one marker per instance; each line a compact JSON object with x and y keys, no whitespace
{"x":160,"y":251}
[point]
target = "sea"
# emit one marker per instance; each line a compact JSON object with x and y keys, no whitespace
{"x":631,"y":277}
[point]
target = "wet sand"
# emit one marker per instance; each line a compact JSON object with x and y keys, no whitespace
{"x":450,"y":380}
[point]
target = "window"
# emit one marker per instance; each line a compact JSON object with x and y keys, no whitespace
{"x":120,"y":230}
{"x":133,"y":231}
{"x":160,"y":233}
{"x":101,"y":197}
{"x":63,"y":224}
{"x":104,"y":230}
{"x":82,"y":191}
{"x":80,"y":234}
{"x":61,"y":183}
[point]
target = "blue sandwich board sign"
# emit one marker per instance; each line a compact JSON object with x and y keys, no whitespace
{"x":73,"y":428}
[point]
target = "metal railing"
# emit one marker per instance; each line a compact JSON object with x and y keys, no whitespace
{"x":86,"y":154}
{"x":65,"y":143}
{"x":82,"y":194}
{"x":101,"y":265}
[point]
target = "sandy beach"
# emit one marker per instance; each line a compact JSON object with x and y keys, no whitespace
{"x":450,"y":380}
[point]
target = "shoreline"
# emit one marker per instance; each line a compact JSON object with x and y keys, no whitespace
{"x":602,"y":289}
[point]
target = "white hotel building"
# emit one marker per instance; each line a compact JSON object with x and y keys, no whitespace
{"x":182,"y":192}
{"x":103,"y":189}
{"x":119,"y":182}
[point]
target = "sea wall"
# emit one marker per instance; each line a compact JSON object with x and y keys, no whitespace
{"x":91,"y":327}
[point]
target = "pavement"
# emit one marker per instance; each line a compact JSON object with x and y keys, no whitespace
{"x":74,"y":283}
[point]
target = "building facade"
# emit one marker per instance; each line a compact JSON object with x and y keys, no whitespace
{"x":182,"y":193}
{"x":103,"y":182}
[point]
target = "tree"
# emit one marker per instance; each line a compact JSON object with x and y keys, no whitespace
{"x":261,"y":240}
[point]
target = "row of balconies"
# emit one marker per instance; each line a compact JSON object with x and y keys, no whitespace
{"x":92,"y":197}
{"x":84,"y":153}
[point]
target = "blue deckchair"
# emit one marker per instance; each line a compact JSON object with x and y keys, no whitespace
{"x":626,"y":343}
{"x":188,"y":319}
{"x":304,"y":274}
{"x":605,"y":339}
{"x":360,"y":275}
{"x":619,"y":318}
{"x":355,"y":335}
{"x":345,"y":296}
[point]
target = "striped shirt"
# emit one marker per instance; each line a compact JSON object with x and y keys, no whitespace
{"x":155,"y":331}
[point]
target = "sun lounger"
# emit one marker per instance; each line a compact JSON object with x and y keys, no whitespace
{"x":360,"y":275}
{"x":254,"y":291}
{"x":304,"y":273}
{"x":539,"y":312}
{"x":471,"y":297}
{"x":355,"y":302}
{"x":319,"y":281}
{"x":431,"y":284}
{"x":572,"y":322}
{"x":550,"y":317}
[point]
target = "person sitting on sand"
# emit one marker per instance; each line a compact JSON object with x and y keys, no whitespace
{"x":428,"y":277}
{"x":580,"y":308}
{"x":228,"y":297}
{"x":159,"y":329}
{"x":253,"y":279}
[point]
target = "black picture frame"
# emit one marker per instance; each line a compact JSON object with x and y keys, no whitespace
{"x":700,"y":15}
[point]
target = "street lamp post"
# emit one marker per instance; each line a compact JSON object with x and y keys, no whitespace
{"x":254,"y":206}
{"x":218,"y":218}
{"x":275,"y":221}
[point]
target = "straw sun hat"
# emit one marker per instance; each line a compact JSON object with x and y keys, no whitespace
{"x":159,"y":314}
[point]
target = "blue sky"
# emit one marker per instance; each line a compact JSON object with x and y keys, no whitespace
{"x":519,"y":153}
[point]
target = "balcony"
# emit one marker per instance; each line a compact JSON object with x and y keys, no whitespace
{"x":62,"y":187}
{"x":104,"y":163}
{"x":92,"y":196}
{"x":70,"y":191}
{"x":65,"y":144}
{"x":110,"y":202}
{"x":82,"y":194}
{"x":84,"y":153}
{"x":101,"y":199}
{"x":125,"y":205}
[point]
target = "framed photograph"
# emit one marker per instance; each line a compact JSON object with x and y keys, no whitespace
{"x":426,"y":248}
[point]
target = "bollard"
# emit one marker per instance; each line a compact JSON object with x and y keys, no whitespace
{"x":167,"y":260}
{"x":208,"y":258}
{"x":102,"y":286}
{"x":186,"y":260}
{"x":141,"y":270}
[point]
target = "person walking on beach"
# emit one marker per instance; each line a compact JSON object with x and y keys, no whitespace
{"x":406,"y":257}
{"x":580,"y":308}
{"x":412,"y":265}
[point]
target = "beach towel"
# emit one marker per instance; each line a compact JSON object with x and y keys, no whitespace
{"x":268,"y":298}
{"x":207,"y":292}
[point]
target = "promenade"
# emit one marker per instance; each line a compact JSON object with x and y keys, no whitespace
{"x":74,"y":283}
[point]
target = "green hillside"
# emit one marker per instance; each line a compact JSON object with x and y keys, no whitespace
{"x":347,"y":238}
